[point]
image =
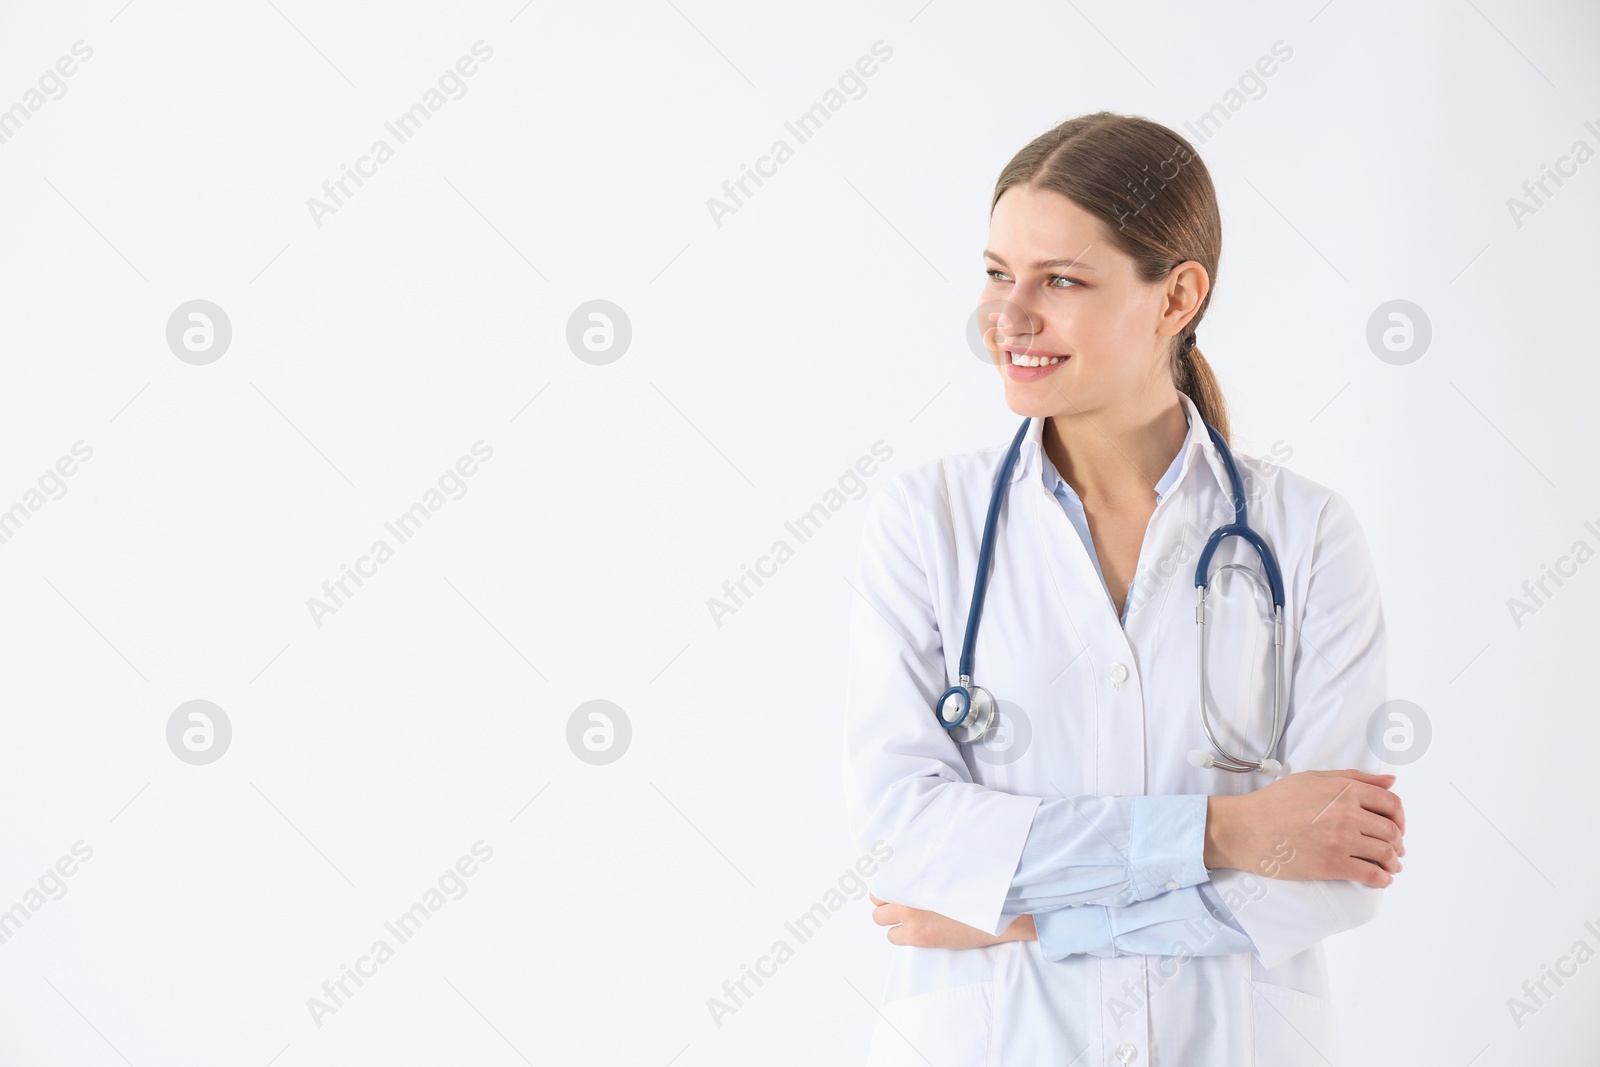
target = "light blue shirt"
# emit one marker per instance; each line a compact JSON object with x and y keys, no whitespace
{"x":1190,"y":919}
{"x":1073,"y":506}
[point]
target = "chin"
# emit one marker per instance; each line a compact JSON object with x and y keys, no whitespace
{"x":1034,"y":408}
{"x":1035,"y":403}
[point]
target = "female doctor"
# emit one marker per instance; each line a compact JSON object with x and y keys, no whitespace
{"x":1073,"y":888}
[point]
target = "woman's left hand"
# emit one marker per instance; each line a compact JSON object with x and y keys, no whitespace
{"x":929,"y":929}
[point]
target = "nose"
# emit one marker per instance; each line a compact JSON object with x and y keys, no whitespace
{"x":1012,"y":322}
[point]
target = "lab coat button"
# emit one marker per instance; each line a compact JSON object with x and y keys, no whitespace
{"x":1126,"y":1053}
{"x":1118,"y":672}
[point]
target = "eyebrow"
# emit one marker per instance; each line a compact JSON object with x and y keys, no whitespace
{"x":1043,"y":263}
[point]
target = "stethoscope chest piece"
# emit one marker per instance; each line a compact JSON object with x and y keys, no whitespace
{"x":967,"y":711}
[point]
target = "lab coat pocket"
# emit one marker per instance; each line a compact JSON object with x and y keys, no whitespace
{"x":1293,"y":1028}
{"x":945,"y":1028}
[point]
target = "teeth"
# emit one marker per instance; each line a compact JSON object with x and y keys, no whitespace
{"x":1021,"y":360}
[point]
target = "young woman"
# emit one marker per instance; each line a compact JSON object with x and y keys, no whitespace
{"x":1077,"y":886}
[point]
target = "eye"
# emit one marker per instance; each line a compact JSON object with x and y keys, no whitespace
{"x":998,"y":275}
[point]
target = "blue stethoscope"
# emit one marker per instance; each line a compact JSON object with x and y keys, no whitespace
{"x":968,"y":711}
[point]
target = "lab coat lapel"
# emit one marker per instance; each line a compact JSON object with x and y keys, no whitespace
{"x":1070,"y":569}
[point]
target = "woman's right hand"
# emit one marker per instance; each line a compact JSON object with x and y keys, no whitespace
{"x":1312,"y":825}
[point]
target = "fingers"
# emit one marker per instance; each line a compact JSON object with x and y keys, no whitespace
{"x":1375,"y":793}
{"x":886,"y":914}
{"x":1368,"y":873}
{"x":1383,"y":780}
{"x":1383,"y":829}
{"x":1385,"y":803}
{"x":1377,"y":851}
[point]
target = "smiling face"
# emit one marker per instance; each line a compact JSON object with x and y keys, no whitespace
{"x":1058,"y":287}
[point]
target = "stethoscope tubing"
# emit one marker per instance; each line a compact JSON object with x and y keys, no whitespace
{"x":1240,"y":527}
{"x":980,"y":585}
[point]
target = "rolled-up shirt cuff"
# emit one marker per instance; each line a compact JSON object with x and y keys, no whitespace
{"x":1074,"y":930}
{"x":1167,"y":844}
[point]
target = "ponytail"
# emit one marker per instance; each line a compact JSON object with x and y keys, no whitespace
{"x":1194,"y":377}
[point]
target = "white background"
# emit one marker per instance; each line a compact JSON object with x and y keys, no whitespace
{"x":769,"y":352}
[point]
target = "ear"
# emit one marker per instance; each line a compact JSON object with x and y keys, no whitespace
{"x":1186,"y":289}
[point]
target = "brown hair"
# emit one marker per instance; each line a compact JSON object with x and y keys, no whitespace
{"x":1147,"y":185}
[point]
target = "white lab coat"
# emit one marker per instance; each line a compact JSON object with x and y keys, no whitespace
{"x":1113,"y":712}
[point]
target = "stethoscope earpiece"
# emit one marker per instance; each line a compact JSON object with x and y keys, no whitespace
{"x":1201,"y":758}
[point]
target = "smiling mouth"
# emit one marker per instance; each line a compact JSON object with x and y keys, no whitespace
{"x":1026,"y":359}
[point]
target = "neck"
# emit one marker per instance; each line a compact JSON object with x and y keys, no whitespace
{"x":1115,"y":457}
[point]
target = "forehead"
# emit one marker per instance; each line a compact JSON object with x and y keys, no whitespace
{"x":1030,"y":224}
